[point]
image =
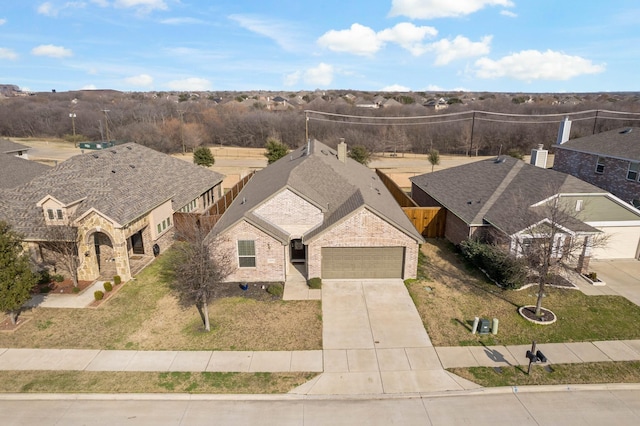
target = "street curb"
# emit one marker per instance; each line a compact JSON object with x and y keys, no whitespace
{"x":296,"y":397}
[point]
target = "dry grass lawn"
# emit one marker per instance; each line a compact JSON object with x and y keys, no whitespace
{"x":142,"y":382}
{"x":455,"y":293}
{"x":144,"y":315}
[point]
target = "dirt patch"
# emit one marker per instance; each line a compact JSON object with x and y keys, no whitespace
{"x":7,"y":326}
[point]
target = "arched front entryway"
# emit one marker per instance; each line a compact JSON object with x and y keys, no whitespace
{"x":105,"y":257}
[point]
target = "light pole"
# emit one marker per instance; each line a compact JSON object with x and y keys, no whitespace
{"x":72,"y":115}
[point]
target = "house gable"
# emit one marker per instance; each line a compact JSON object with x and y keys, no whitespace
{"x":290,"y":212}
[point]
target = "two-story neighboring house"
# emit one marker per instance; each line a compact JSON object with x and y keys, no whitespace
{"x":118,"y":203}
{"x":609,"y":160}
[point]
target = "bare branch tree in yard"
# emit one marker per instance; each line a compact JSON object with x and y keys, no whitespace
{"x":61,"y":249}
{"x":558,"y":238}
{"x":195,"y":271}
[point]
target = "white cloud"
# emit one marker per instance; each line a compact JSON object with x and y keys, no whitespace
{"x":408,"y":36}
{"x":8,"y":54}
{"x":51,"y":51}
{"x":508,"y":13}
{"x":429,"y":9}
{"x":358,"y":40}
{"x":144,"y":80}
{"x":460,"y":47}
{"x":292,"y":79}
{"x":3,"y":21}
{"x":395,"y":88}
{"x":322,"y":75}
{"x":529,"y":65}
{"x":434,"y":88}
{"x":143,"y":6}
{"x":101,"y":3}
{"x":182,"y":21}
{"x":47,"y":9}
{"x":89,"y":87}
{"x":279,"y":32}
{"x":187,"y":84}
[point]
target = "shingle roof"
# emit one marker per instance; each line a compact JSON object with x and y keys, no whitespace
{"x":7,"y":146}
{"x":337,"y":188}
{"x":620,"y":143}
{"x":16,"y":171}
{"x":123,"y":182}
{"x":500,"y":192}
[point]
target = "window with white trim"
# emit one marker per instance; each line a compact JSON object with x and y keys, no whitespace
{"x":50,"y":214}
{"x":600,"y":165}
{"x":246,"y":253}
{"x":632,"y":173}
{"x":59,"y":214}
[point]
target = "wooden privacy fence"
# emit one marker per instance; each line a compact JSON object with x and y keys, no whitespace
{"x":429,"y":221}
{"x":185,"y":223}
{"x":400,"y":196}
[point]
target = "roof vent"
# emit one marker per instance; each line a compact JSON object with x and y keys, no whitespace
{"x":113,"y":151}
{"x":324,"y":152}
{"x":113,"y":171}
{"x":129,"y":148}
{"x":96,"y":156}
{"x":625,"y":131}
{"x":499,"y":160}
{"x":132,"y":166}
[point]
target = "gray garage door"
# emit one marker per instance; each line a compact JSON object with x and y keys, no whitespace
{"x":362,"y":262}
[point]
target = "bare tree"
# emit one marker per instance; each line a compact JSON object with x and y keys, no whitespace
{"x":60,"y":249}
{"x":555,"y":238}
{"x":195,"y":271}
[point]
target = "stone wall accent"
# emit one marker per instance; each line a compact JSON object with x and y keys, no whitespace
{"x":363,"y":229}
{"x":583,"y":166}
{"x":271,"y":254}
{"x":88,"y":269}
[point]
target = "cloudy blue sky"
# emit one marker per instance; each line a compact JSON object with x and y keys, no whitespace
{"x":418,"y":45}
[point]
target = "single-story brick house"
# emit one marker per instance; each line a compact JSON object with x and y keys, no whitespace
{"x":319,"y":208}
{"x":507,"y":196}
{"x":609,"y":160}
{"x":116,"y":205}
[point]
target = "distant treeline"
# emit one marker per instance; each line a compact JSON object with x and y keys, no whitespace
{"x":171,"y":124}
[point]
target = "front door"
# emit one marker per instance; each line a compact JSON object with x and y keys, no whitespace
{"x":136,"y":243}
{"x":298,"y":251}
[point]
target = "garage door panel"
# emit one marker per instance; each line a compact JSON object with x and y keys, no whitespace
{"x":622,"y":243}
{"x":362,"y":262}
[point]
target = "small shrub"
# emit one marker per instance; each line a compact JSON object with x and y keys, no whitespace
{"x":45,"y":289}
{"x":505,"y":269}
{"x":58,"y":278}
{"x":107,"y":286}
{"x":98,"y":295}
{"x":315,"y":283}
{"x":117,"y":280}
{"x":592,"y":276}
{"x":275,"y":290}
{"x":44,"y":277}
{"x":76,"y":290}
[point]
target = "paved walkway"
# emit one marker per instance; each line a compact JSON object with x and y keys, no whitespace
{"x":374,"y":343}
{"x":77,"y":301}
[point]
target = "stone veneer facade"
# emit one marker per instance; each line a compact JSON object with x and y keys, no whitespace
{"x":362,"y":229}
{"x":613,"y":179}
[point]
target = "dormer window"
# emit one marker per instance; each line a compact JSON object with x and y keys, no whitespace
{"x":59,"y":214}
{"x":50,"y":214}
{"x":600,"y":166}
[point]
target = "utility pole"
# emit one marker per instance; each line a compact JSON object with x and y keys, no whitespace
{"x":306,"y":126}
{"x":106,"y":123}
{"x":181,"y":112}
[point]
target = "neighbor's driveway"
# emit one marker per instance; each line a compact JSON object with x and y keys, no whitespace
{"x":622,"y":277}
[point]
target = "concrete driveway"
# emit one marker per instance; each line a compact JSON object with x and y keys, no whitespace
{"x":622,"y":278}
{"x":374,"y":342}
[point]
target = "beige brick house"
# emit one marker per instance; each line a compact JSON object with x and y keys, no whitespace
{"x":115,"y":206}
{"x":318,"y":208}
